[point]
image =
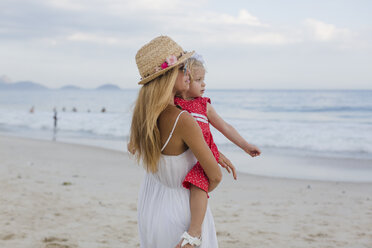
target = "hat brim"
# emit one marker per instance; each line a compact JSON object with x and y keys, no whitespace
{"x":161,"y":72}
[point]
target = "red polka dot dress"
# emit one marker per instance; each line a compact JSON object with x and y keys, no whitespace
{"x":197,"y":107}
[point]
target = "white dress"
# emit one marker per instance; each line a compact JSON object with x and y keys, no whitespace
{"x":164,"y":204}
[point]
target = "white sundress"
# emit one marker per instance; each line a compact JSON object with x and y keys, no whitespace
{"x":164,"y":204}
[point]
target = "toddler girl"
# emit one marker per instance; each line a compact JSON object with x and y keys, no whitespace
{"x":201,"y":109}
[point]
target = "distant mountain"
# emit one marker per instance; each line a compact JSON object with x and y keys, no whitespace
{"x":70,"y":87}
{"x":23,"y":85}
{"x":6,"y":84}
{"x":108,"y":87}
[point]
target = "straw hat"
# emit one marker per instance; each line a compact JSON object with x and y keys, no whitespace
{"x":159,"y":56}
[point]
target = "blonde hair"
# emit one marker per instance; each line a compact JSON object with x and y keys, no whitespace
{"x":152,"y":99}
{"x":193,"y":64}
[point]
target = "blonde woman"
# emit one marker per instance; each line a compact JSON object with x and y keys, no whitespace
{"x":168,"y":142}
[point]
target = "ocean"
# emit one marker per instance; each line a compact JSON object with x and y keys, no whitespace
{"x":321,"y":123}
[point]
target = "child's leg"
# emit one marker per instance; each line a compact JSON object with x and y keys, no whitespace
{"x":196,"y":177}
{"x":198,"y":207}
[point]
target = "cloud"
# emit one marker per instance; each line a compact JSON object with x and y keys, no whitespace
{"x":66,"y":4}
{"x":103,"y":36}
{"x":125,"y":23}
{"x":123,"y":7}
{"x":220,"y":29}
{"x":321,"y":31}
{"x":85,"y":37}
{"x":244,"y":18}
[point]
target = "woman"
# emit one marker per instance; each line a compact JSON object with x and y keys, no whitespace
{"x":168,"y":142}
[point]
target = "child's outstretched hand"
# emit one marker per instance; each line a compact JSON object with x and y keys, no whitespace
{"x":252,"y":150}
{"x":226,"y":163}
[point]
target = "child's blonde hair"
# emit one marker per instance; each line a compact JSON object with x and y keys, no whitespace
{"x":152,"y":99}
{"x":193,"y":64}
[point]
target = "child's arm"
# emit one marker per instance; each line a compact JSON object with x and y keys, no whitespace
{"x":230,"y":132}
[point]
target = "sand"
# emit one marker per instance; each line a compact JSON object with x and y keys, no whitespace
{"x":57,"y":195}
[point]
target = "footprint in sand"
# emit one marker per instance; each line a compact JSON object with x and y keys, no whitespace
{"x":54,"y":242}
{"x":309,"y":239}
{"x":133,"y":222}
{"x":232,"y":241}
{"x":54,"y":239}
{"x":222,"y":233}
{"x":271,"y":214}
{"x":319,"y":235}
{"x":255,"y":203}
{"x":56,"y":245}
{"x":133,"y":206}
{"x":7,"y":236}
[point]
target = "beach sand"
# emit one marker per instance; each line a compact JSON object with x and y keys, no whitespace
{"x":56,"y":195}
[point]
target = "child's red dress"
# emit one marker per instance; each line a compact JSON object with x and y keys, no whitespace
{"x":197,"y":107}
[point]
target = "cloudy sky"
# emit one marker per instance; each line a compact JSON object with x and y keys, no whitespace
{"x":264,"y":44}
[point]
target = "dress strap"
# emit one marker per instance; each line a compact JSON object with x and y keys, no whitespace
{"x":171,"y":133}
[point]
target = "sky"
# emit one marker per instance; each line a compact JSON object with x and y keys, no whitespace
{"x":252,"y":44}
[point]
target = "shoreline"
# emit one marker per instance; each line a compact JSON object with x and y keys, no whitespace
{"x":272,"y":163}
{"x":56,"y":195}
{"x":112,"y":142}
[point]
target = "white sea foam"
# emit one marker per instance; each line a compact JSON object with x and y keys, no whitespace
{"x":337,"y":123}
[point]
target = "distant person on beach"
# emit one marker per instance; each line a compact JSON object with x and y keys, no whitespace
{"x":201,"y":109}
{"x":32,"y":110}
{"x":103,"y":110}
{"x":55,"y":118}
{"x":168,"y":142}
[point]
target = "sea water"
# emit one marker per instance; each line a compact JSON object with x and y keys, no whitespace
{"x":321,"y":123}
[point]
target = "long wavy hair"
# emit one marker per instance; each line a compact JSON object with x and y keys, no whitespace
{"x":153,"y":98}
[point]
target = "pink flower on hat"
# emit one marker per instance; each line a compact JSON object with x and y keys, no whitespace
{"x":171,"y":60}
{"x":164,"y":65}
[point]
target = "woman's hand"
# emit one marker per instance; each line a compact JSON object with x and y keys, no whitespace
{"x":252,"y":150}
{"x":226,"y":163}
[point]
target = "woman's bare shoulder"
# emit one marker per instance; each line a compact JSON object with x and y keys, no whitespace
{"x":187,"y":123}
{"x":170,"y":112}
{"x":168,"y":117}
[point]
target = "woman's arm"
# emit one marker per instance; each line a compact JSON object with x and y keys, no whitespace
{"x":193,"y":137}
{"x":230,"y":132}
{"x":191,"y":134}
